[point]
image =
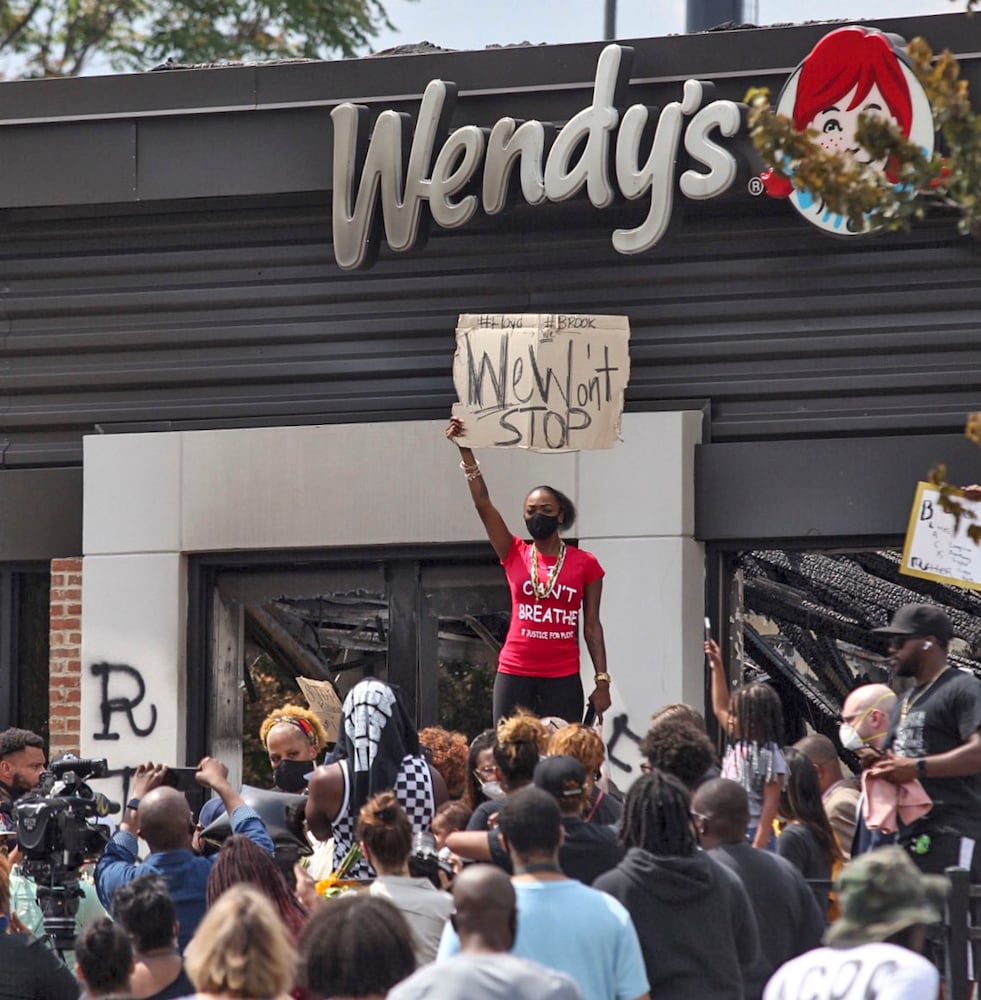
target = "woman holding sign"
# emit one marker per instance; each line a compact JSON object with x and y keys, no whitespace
{"x":552,"y":586}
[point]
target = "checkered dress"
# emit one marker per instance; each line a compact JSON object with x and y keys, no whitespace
{"x":414,"y":791}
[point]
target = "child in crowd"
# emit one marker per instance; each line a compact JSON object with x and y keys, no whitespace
{"x":752,"y":719}
{"x":451,"y":817}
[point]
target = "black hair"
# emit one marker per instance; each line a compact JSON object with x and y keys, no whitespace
{"x":726,"y":805}
{"x":531,"y":822}
{"x":146,"y":911}
{"x":758,"y":713}
{"x":679,"y":747}
{"x":566,"y":507}
{"x":657,"y":816}
{"x":14,"y":740}
{"x":104,"y":954}
{"x":800,"y":800}
{"x":356,"y":946}
{"x":472,"y":794}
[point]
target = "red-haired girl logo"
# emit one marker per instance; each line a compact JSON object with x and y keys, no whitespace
{"x":850,"y":71}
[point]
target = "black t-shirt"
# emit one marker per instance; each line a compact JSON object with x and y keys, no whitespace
{"x":588,"y":850}
{"x":799,"y":844}
{"x":603,"y":809}
{"x":180,"y":987}
{"x":480,"y":818}
{"x":30,"y":970}
{"x":789,"y":918}
{"x":940,"y":718}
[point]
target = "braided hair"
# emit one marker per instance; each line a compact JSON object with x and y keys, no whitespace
{"x":657,"y":817}
{"x":757,"y":713}
{"x":240,"y":861}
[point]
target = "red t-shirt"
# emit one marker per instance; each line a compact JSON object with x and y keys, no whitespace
{"x":543,"y":639}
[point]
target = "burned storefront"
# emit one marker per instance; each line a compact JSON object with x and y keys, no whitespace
{"x":230,"y":297}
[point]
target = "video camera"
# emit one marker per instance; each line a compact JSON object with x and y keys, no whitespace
{"x":57,"y":832}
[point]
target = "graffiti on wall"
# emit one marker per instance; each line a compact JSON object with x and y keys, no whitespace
{"x":621,"y":729}
{"x":113,"y":701}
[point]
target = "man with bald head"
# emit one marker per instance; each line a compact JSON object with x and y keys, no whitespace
{"x":788,"y":916}
{"x":864,"y":726}
{"x":839,"y":794}
{"x":865,"y":717}
{"x":486,"y":923}
{"x":162,"y":817}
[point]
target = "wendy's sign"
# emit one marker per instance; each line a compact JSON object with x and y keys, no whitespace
{"x":417,"y":172}
{"x":606,"y":150}
{"x":851,"y":71}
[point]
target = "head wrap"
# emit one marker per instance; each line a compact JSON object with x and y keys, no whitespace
{"x":376,"y":736}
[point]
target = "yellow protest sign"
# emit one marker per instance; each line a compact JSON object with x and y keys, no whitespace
{"x":934,"y":549}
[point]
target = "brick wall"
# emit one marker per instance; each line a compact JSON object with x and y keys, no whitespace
{"x":65,"y":663}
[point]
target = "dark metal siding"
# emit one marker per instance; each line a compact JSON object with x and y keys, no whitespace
{"x":204,"y":292}
{"x":238,"y":315}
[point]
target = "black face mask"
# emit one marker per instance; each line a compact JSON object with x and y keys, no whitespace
{"x":541,"y":526}
{"x":290,"y":775}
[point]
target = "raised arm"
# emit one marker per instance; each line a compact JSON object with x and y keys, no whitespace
{"x":720,"y":684}
{"x":497,"y":531}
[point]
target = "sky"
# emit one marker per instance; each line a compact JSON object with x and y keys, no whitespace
{"x":474,"y":24}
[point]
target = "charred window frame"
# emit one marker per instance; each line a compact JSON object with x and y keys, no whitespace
{"x":422,"y":584}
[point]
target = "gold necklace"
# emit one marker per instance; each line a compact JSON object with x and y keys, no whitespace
{"x":540,"y":589}
{"x":909,"y":701}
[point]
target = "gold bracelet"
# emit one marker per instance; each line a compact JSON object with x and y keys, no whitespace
{"x":602,"y":677}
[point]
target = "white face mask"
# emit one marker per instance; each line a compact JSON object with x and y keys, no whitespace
{"x":849,"y":737}
{"x":492,"y":789}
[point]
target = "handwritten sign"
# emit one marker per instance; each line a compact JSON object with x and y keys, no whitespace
{"x":934,"y":550}
{"x":323,"y":700}
{"x":544,"y":382}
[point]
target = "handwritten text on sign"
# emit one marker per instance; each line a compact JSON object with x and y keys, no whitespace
{"x":545,"y":382}
{"x":933,"y":550}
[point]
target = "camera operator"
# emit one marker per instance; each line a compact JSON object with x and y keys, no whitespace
{"x":21,"y":765}
{"x":162,"y":817}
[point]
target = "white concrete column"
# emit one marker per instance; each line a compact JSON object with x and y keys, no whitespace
{"x":636,"y":506}
{"x":134,"y":603}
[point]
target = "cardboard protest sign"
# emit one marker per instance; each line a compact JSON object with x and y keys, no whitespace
{"x":545,"y":382}
{"x":933,"y":549}
{"x":323,"y":700}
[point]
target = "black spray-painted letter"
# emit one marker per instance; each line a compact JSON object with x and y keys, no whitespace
{"x":109,"y":706}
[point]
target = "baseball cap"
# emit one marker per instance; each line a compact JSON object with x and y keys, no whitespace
{"x":563,"y":777}
{"x":881,"y":893}
{"x":918,"y":619}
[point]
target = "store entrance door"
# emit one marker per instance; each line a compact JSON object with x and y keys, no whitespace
{"x":429,"y":625}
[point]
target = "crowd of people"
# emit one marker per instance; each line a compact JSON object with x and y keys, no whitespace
{"x":510,"y":864}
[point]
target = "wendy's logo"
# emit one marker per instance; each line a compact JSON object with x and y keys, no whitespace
{"x":850,"y":71}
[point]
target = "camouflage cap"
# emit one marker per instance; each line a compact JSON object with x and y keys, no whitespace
{"x":880,"y":894}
